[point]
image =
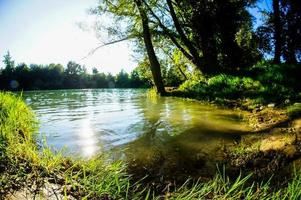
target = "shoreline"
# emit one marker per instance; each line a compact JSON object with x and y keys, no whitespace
{"x":52,"y":174}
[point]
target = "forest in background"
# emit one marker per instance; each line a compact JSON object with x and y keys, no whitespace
{"x":213,"y":51}
{"x":56,"y":76}
{"x":186,"y":44}
{"x":75,"y":76}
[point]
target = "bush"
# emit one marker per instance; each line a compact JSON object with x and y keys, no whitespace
{"x":282,"y":74}
{"x":265,"y":81}
{"x":294,"y":110}
{"x":221,"y":86}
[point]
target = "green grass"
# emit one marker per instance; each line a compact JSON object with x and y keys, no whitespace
{"x":222,"y":188}
{"x":294,"y":110}
{"x":262,"y":84}
{"x":221,"y":86}
{"x":23,"y":163}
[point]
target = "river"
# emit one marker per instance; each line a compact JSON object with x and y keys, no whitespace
{"x":165,"y":131}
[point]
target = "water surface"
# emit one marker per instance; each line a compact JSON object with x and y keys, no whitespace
{"x":170,"y":131}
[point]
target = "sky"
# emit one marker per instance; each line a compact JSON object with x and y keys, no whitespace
{"x":47,"y":31}
{"x":256,"y":10}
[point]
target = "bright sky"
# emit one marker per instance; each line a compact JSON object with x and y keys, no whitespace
{"x":46,"y":31}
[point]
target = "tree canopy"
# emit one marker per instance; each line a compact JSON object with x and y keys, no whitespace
{"x":56,"y":76}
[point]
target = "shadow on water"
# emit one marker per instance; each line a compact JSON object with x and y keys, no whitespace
{"x":178,"y":139}
{"x":164,"y":138}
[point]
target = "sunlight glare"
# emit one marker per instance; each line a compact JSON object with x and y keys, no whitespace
{"x":87,"y":139}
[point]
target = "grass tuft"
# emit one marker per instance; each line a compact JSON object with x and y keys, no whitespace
{"x":23,"y":164}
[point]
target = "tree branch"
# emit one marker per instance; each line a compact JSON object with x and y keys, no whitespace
{"x":109,"y":43}
{"x":168,"y":33}
{"x":186,"y":41}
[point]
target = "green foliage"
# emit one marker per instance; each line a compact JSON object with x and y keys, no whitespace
{"x":74,"y":68}
{"x":17,"y":137}
{"x":55,"y":76}
{"x":222,"y":188}
{"x":173,"y":77}
{"x":138,"y":80}
{"x":266,"y":83}
{"x":17,"y":121}
{"x":122,"y":79}
{"x":267,"y":72}
{"x":281,"y":27}
{"x":8,"y":62}
{"x":294,"y":110}
{"x":196,"y":84}
{"x":221,"y":86}
{"x":22,"y":163}
{"x":209,"y":38}
{"x":279,"y":81}
{"x":225,"y":39}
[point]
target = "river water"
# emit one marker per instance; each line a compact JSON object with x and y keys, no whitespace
{"x":166,"y":131}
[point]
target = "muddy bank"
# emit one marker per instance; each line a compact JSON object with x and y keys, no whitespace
{"x":271,"y":149}
{"x":265,"y":153}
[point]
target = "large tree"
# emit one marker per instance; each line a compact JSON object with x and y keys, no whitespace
{"x":277,"y":31}
{"x":292,"y":30}
{"x":205,"y":34}
{"x":154,"y":63}
{"x":281,"y":31}
{"x":210,"y":34}
{"x":131,"y":21}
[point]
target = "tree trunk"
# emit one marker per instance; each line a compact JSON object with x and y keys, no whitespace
{"x":210,"y":58}
{"x":208,"y":45}
{"x":155,"y":65}
{"x":193,"y":51}
{"x":277,"y":32}
{"x":293,"y":21}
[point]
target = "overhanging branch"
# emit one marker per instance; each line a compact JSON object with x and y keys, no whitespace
{"x":168,"y":33}
{"x":109,"y":43}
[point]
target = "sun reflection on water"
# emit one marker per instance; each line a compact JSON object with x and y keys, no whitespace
{"x":87,"y":143}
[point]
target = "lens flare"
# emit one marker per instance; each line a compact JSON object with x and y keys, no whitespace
{"x":14,"y":84}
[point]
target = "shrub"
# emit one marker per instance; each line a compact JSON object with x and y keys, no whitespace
{"x":222,"y":86}
{"x":283,"y":74}
{"x":294,"y":110}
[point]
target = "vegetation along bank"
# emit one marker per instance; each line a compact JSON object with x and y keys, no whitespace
{"x":31,"y":170}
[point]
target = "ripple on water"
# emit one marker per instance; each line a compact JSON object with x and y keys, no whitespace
{"x":89,"y":121}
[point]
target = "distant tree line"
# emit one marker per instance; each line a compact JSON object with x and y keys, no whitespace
{"x":178,"y":38}
{"x":55,"y":76}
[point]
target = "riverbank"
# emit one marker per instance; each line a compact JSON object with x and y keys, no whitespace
{"x":271,"y":97}
{"x":27,"y":170}
{"x":270,"y":93}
